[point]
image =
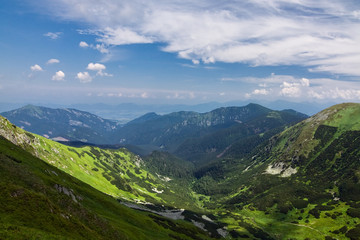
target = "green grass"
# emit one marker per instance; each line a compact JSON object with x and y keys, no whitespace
{"x":118,"y":173}
{"x":32,"y":208}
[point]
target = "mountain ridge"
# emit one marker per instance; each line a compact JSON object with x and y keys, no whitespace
{"x":64,"y":124}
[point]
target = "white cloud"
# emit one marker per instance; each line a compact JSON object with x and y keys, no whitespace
{"x":96,"y":67}
{"x":262,"y":91}
{"x":59,"y":76}
{"x":195,"y":61}
{"x":52,"y":61}
{"x":53,"y":35}
{"x":83,"y":44}
{"x":101,"y":48}
{"x":290,"y":90}
{"x":36,"y":68}
{"x":321,"y":35}
{"x":99,"y":68}
{"x":121,"y":36}
{"x":144,"y":95}
{"x":84,"y":77}
{"x":305,"y":82}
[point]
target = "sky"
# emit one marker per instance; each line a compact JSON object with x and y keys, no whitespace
{"x":179,"y":51}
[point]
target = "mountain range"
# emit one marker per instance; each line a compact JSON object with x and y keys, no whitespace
{"x":63,"y":124}
{"x":239,"y":172}
{"x":126,"y":112}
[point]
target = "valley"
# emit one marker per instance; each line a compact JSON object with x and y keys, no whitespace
{"x":234,"y":173}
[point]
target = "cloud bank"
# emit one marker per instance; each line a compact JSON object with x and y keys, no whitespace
{"x":320,"y":35}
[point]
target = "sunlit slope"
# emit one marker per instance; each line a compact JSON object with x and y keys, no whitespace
{"x":302,"y":184}
{"x":39,"y":201}
{"x":118,"y":173}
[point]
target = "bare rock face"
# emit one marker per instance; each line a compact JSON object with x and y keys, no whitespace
{"x":68,"y":192}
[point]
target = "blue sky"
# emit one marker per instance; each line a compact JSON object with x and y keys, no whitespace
{"x":157,"y":51}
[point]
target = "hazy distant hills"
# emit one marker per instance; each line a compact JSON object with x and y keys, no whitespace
{"x":238,"y":139}
{"x":190,"y":133}
{"x":63,"y":124}
{"x":126,"y":112}
{"x":152,"y":131}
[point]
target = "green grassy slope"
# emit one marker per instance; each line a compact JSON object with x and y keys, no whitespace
{"x":118,"y":173}
{"x":39,"y":201}
{"x":303,"y":184}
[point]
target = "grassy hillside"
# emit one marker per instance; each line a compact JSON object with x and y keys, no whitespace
{"x":39,"y":201}
{"x":301,"y":184}
{"x":116,"y":172}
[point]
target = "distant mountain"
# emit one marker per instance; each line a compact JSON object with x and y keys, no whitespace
{"x":126,"y":112}
{"x":238,"y":139}
{"x":63,"y":124}
{"x":170,"y":131}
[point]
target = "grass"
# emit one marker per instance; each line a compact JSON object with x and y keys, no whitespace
{"x":32,"y":208}
{"x":118,"y":173}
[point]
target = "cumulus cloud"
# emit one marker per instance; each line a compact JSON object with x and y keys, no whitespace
{"x":320,"y":35}
{"x":290,"y":89}
{"x":53,"y":60}
{"x":294,"y":89}
{"x":83,"y":44}
{"x":99,"y":68}
{"x":84,"y":77}
{"x":96,"y":67}
{"x":36,"y":68}
{"x":59,"y":76}
{"x":53,"y":35}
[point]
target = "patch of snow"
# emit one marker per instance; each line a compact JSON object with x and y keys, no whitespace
{"x":206,"y":218}
{"x":288,"y":172}
{"x":157,"y":191}
{"x":222,"y":232}
{"x":163,"y":178}
{"x":60,"y":139}
{"x":26,"y":123}
{"x":275,"y":169}
{"x":280,"y":168}
{"x":199,"y":225}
